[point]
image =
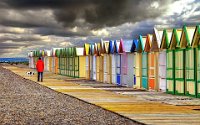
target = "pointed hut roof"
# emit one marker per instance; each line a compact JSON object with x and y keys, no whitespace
{"x":149,"y":40}
{"x":158,"y":34}
{"x":106,"y":46}
{"x":117,"y":46}
{"x":134,"y":46}
{"x":79,"y":51}
{"x":166,"y":38}
{"x":111,"y":46}
{"x":176,"y":37}
{"x":86,"y":49}
{"x":127,"y":45}
{"x":154,"y":43}
{"x":196,"y":39}
{"x":142,"y":40}
{"x":187,"y":36}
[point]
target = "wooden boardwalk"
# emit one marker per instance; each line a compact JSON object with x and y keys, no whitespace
{"x":147,"y":112}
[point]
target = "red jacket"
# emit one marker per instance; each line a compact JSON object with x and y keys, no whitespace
{"x":40,"y":66}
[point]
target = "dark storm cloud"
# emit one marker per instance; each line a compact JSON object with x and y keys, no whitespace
{"x":18,"y":39}
{"x":59,"y":32}
{"x":92,"y":13}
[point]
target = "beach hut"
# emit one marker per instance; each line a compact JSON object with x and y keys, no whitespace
{"x":190,"y":60}
{"x":196,"y":45}
{"x":79,"y":62}
{"x":137,"y":63}
{"x":91,"y":61}
{"x":179,"y":62}
{"x":87,"y":56}
{"x":99,"y":62}
{"x":162,"y":59}
{"x":153,"y":62}
{"x":46,"y":60}
{"x":127,"y":65}
{"x":118,"y":50}
{"x":55,"y":59}
{"x":112,"y":54}
{"x":62,"y":62}
{"x":31,"y":60}
{"x":94,"y":56}
{"x":107,"y":63}
{"x":57,"y":68}
{"x":145,"y":49}
{"x":170,"y":64}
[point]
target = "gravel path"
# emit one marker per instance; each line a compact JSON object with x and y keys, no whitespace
{"x":26,"y":102}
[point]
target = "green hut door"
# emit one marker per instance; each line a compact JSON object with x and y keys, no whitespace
{"x":170,"y":72}
{"x":179,"y":72}
{"x":190,"y":72}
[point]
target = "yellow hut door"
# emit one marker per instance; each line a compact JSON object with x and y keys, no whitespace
{"x":97,"y":68}
{"x":101,"y":68}
{"x":138,"y":69}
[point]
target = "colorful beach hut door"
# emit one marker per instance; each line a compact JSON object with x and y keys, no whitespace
{"x":94,"y":67}
{"x":97,"y":68}
{"x":162,"y":71}
{"x":114,"y":76}
{"x":87,"y":67}
{"x":170,"y":71}
{"x":91,"y":67}
{"x":145,"y":70}
{"x":118,"y":68}
{"x":127,"y":63}
{"x":198,"y":72}
{"x":105,"y":68}
{"x":190,"y":72}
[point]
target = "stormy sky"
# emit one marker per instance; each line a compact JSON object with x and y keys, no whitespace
{"x":42,"y":24}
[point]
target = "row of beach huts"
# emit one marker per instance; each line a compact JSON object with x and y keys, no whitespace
{"x":167,"y":60}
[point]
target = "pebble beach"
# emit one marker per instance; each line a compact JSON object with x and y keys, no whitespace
{"x":25,"y":102}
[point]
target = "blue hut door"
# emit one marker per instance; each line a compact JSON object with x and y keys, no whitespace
{"x":118,"y":66}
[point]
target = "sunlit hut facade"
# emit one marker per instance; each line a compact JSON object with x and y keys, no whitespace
{"x":46,"y":60}
{"x":31,"y":60}
{"x":112,"y":54}
{"x":107,"y":63}
{"x":190,"y":60}
{"x":138,"y":64}
{"x":57,"y":68}
{"x":164,"y":37}
{"x":55,"y":60}
{"x":88,"y":62}
{"x":127,"y":63}
{"x":153,"y":63}
{"x":170,"y":64}
{"x":93,"y":53}
{"x":62,"y":61}
{"x":72,"y":62}
{"x":196,"y":44}
{"x":145,"y":50}
{"x":179,"y":62}
{"x":118,"y":61}
{"x":99,"y":62}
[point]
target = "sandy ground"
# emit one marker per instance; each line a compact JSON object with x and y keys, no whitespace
{"x":26,"y":102}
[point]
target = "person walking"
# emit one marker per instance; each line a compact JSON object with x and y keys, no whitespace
{"x":40,"y":69}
